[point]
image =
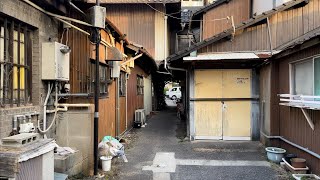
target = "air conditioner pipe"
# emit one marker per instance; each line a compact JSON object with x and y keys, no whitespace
{"x":292,"y":144}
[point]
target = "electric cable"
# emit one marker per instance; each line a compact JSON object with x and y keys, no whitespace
{"x":170,"y":15}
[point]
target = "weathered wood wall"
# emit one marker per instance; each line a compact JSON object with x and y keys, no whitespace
{"x":294,"y":22}
{"x":123,"y":112}
{"x":290,"y":122}
{"x":239,"y":9}
{"x":135,"y":101}
{"x":107,"y":113}
{"x":135,"y":20}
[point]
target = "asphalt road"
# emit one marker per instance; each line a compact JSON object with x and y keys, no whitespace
{"x":160,"y":135}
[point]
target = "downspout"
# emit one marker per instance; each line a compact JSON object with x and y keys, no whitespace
{"x":292,"y":144}
{"x":127,"y":75}
{"x":165,"y":41}
{"x":117,"y":109}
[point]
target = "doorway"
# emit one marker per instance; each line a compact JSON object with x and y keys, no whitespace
{"x":223,"y":104}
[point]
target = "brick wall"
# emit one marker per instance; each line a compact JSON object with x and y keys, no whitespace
{"x":45,"y":29}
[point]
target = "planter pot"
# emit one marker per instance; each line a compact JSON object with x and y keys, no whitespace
{"x":106,"y":162}
{"x":305,"y":176}
{"x":298,"y":162}
{"x":275,"y":154}
{"x":288,"y":157}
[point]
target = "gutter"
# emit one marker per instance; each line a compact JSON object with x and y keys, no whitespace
{"x":292,"y":144}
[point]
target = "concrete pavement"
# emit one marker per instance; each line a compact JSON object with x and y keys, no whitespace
{"x":159,"y":154}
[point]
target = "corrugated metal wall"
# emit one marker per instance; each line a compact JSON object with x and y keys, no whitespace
{"x":135,"y":20}
{"x":294,"y":22}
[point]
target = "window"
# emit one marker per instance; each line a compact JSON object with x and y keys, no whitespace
{"x":305,"y":77}
{"x":15,"y":63}
{"x":122,"y":84}
{"x":174,"y":89}
{"x":105,"y":78}
{"x":140,"y":85}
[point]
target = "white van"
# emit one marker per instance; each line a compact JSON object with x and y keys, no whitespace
{"x":174,"y":93}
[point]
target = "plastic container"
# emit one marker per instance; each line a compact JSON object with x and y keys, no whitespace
{"x":106,"y":162}
{"x":298,"y":162}
{"x":275,"y":154}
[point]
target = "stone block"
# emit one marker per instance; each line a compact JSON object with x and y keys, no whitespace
{"x":69,"y":164}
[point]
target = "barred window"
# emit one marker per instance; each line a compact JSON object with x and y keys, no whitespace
{"x":122,"y":84}
{"x":15,"y":63}
{"x":105,"y":78}
{"x":140,"y":85}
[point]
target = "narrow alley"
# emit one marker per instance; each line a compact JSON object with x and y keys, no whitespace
{"x":151,"y":155}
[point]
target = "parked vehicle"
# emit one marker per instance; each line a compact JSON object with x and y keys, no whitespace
{"x":174,"y":93}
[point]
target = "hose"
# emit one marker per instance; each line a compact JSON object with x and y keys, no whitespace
{"x":54,"y":119}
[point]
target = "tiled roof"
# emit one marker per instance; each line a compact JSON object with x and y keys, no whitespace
{"x":228,"y":32}
{"x":133,"y":1}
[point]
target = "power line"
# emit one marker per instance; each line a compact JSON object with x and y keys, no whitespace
{"x":170,"y":15}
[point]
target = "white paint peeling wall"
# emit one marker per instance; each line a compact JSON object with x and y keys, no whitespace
{"x":147,"y":94}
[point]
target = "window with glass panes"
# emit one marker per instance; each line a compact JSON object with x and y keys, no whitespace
{"x":15,"y":62}
{"x":305,"y":77}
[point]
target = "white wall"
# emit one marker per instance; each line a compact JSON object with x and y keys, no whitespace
{"x":260,"y":6}
{"x":147,"y":94}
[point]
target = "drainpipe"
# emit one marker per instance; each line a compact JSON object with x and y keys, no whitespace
{"x":292,"y":144}
{"x":165,"y":41}
{"x":127,"y":75}
{"x":117,"y":109}
{"x":96,"y":99}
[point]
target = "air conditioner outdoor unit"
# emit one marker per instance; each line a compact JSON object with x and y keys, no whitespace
{"x":140,"y":118}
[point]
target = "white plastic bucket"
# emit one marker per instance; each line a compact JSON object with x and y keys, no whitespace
{"x":106,"y":162}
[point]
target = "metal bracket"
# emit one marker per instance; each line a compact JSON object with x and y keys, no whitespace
{"x":308,"y":118}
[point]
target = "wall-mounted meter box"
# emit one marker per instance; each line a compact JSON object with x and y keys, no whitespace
{"x":55,"y":61}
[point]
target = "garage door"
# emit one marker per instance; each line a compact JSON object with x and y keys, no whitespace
{"x":222,"y":104}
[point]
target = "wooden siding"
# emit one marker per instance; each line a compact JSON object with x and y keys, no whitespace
{"x":290,"y":122}
{"x":135,"y":20}
{"x":239,"y":9}
{"x":107,"y":113}
{"x":294,"y":22}
{"x":135,"y":101}
{"x":123,"y":112}
{"x":81,"y":78}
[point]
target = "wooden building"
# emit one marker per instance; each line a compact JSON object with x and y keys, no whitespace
{"x":248,"y":61}
{"x":144,"y":22}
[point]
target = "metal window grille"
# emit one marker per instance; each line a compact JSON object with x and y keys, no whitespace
{"x":105,"y":78}
{"x":140,"y":85}
{"x":122,"y":84}
{"x":15,"y":62}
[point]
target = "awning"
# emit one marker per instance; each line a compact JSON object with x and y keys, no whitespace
{"x":230,"y":56}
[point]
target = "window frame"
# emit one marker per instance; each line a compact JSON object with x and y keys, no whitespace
{"x":122,"y":84}
{"x":15,"y":62}
{"x":140,"y":85}
{"x":292,"y":83}
{"x":103,"y":82}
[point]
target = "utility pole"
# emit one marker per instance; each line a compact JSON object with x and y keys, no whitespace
{"x":98,"y":15}
{"x":96,"y":99}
